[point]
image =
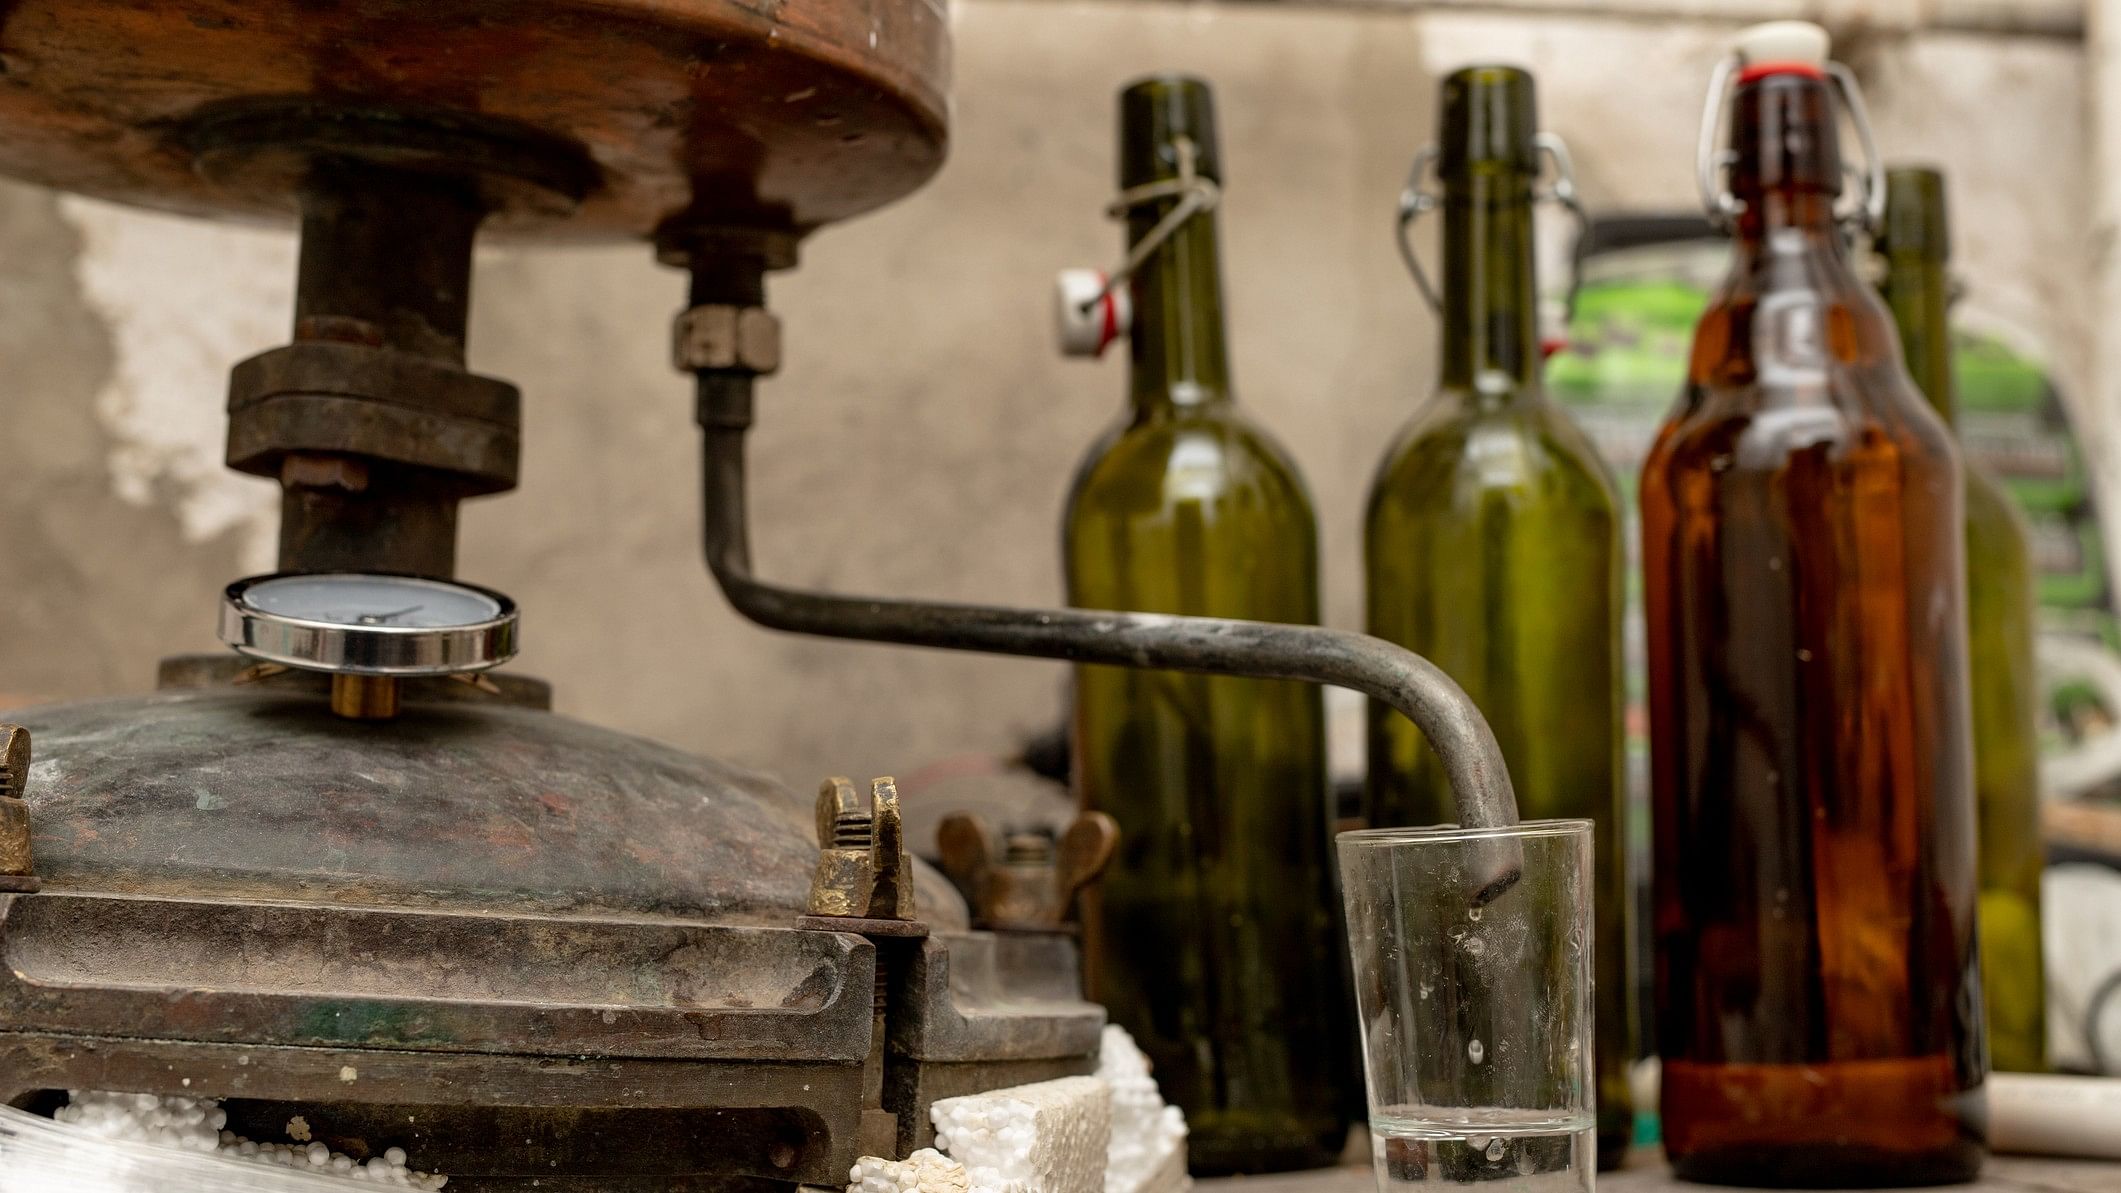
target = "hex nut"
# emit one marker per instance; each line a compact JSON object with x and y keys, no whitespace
{"x":726,"y":337}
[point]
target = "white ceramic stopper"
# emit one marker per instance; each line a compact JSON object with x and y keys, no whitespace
{"x":1799,"y":42}
{"x":1087,"y":330}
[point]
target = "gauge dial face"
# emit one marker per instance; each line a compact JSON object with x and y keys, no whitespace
{"x":365,"y":624}
{"x":357,"y":600}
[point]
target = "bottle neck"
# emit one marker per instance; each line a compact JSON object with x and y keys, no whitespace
{"x":1490,"y":314}
{"x":1919,"y":294}
{"x":1786,"y":174}
{"x":1180,"y":359}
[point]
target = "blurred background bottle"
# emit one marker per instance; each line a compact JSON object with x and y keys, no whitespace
{"x":1212,"y":936}
{"x":1492,"y":545}
{"x":1819,"y":1006}
{"x":1914,"y":245}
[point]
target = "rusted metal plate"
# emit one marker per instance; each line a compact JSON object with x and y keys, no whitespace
{"x":359,"y":978}
{"x":265,"y":795}
{"x":790,"y":114}
{"x":566,"y":1117}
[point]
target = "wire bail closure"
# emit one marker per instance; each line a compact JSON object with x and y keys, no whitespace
{"x":1415,"y":202}
{"x":1710,"y":162}
{"x":1196,"y":195}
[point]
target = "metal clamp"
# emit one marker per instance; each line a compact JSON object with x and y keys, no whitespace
{"x":1195,"y":195}
{"x":1415,"y":202}
{"x":863,"y":872}
{"x":1868,"y":211}
{"x":17,"y":874}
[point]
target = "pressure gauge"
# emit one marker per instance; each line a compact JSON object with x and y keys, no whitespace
{"x":366,"y":630}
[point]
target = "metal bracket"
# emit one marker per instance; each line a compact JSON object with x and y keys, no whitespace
{"x":1868,"y":211}
{"x":1415,"y":202}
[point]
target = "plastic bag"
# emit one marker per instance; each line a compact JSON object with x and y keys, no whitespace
{"x":38,"y":1155}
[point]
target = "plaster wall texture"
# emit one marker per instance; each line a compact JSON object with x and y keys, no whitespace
{"x":922,"y":435}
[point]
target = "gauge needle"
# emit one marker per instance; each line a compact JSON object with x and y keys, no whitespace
{"x":380,"y":618}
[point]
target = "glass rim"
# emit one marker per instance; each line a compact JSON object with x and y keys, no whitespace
{"x":1445,"y":834}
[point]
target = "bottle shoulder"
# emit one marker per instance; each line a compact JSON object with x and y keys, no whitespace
{"x":1188,"y":456}
{"x":1529,"y":449}
{"x":1798,"y":341}
{"x":1996,"y":529}
{"x":1844,"y":416}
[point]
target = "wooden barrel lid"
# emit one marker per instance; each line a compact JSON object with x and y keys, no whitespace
{"x":783,"y":113}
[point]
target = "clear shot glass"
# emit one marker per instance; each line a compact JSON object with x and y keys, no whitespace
{"x":1475,"y":1005}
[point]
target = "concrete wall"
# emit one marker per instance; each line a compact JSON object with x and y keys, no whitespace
{"x":922,"y":436}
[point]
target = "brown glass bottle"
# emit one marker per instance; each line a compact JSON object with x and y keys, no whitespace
{"x":1818,"y":1000}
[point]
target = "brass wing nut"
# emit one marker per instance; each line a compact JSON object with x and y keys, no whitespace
{"x":1026,"y":881}
{"x":863,"y":871}
{"x":16,"y":871}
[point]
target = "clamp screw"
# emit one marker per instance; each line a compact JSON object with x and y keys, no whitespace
{"x":16,"y":872}
{"x":863,"y":871}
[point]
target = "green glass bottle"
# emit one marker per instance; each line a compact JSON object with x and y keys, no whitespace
{"x":1493,"y":547}
{"x":1211,"y":937}
{"x":1914,"y":244}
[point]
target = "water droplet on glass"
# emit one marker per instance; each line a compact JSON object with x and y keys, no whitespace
{"x":1804,"y":656}
{"x":1476,"y":1050}
{"x":1473,"y":913}
{"x":1495,"y":1148}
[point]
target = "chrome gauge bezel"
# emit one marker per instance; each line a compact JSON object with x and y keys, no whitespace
{"x":343,"y":649}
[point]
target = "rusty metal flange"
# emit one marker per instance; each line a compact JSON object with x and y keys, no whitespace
{"x":333,"y":398}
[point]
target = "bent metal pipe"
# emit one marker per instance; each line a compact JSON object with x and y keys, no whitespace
{"x":1480,"y":781}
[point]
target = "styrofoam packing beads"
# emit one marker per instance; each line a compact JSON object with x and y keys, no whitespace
{"x":200,"y":1125}
{"x":1148,"y":1150}
{"x":1051,"y":1137}
{"x":925,"y":1171}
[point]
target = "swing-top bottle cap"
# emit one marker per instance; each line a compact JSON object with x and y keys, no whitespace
{"x":1781,"y":47}
{"x":1489,"y":116}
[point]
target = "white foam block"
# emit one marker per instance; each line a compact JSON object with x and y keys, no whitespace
{"x":1148,"y":1149}
{"x":1052,"y":1137}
